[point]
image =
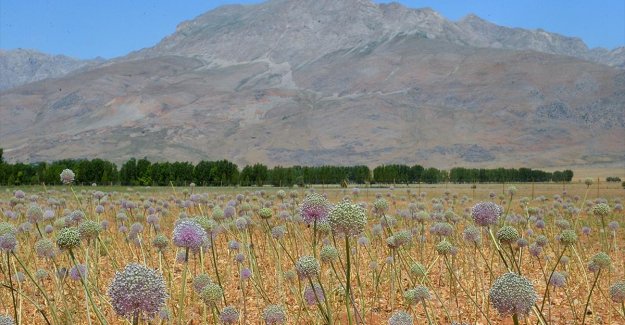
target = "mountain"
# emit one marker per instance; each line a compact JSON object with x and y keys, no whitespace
{"x":272,"y":27}
{"x":18,"y":67}
{"x":331,"y":82}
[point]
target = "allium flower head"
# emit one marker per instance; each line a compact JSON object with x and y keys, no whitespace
{"x":568,"y":237}
{"x":234,"y":245}
{"x":45,"y":248}
{"x":68,"y":238}
{"x":77,"y":272}
{"x":444,"y":247}
{"x":265,"y":213}
{"x":601,"y":209}
{"x":211,"y":294}
{"x":400,"y":317}
{"x":472,"y":235}
{"x":535,"y":249}
{"x":188,"y":234}
{"x":246,"y":273}
{"x":486,"y":213}
{"x":209,"y":225}
{"x":307,"y":267}
{"x":67,"y":176}
{"x":89,"y":229}
{"x":34,"y":214}
{"x":380,"y":206}
{"x":507,"y":235}
{"x":218,"y":213}
{"x":6,"y":320}
{"x":617,"y":292}
{"x":512,"y":294}
{"x":599,"y":262}
{"x":161,"y":242}
{"x":328,"y":254}
{"x":315,"y":207}
{"x":274,"y":314}
{"x":417,"y":269}
{"x":137,"y":289}
{"x":200,"y":282}
{"x":229,"y":315}
{"x":348,"y":218}
{"x":278,"y":232}
{"x":313,"y":295}
{"x":41,"y":274}
{"x":8,"y":242}
{"x":558,"y":279}
{"x":416,"y":294}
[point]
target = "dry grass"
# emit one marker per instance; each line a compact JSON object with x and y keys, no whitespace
{"x":449,"y":301}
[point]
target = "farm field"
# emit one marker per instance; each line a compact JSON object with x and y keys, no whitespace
{"x":436,"y":254}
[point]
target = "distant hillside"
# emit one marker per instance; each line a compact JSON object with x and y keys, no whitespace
{"x":18,"y":67}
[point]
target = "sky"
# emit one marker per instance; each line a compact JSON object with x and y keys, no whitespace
{"x":110,"y":28}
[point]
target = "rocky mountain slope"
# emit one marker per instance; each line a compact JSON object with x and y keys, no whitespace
{"x":18,"y":67}
{"x":330,"y":82}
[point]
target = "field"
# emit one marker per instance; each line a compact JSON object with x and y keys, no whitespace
{"x":421,"y":249}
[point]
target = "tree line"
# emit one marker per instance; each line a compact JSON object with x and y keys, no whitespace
{"x":225,"y":173}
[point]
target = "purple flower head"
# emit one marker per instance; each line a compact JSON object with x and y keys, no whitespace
{"x":76,"y":216}
{"x":558,"y":279}
{"x":512,"y":294}
{"x":234,"y":245}
{"x":77,"y":272}
{"x":8,"y":242}
{"x":200,"y":282}
{"x":19,"y":194}
{"x":472,"y":235}
{"x":229,"y":212}
{"x":188,"y":234}
{"x":278,"y":232}
{"x":229,"y":315}
{"x":617,"y":292}
{"x":246,"y":273}
{"x":540,"y":224}
{"x":138,"y":289}
{"x":274,"y":314}
{"x":239,"y":258}
{"x":241,"y":223}
{"x":486,"y":213}
{"x":315,"y":207}
{"x":48,"y":215}
{"x":313,"y":295}
{"x":99,"y":209}
{"x":535,"y":250}
{"x":586,"y":230}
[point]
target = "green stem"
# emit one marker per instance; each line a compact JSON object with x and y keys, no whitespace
{"x":84,"y":283}
{"x":11,"y":284}
{"x":590,"y":295}
{"x":183,"y":286}
{"x":45,"y":296}
{"x":542,"y":305}
{"x":216,"y":268}
{"x":347,"y":279}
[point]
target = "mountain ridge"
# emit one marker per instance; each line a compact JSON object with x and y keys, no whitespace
{"x":254,"y":84}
